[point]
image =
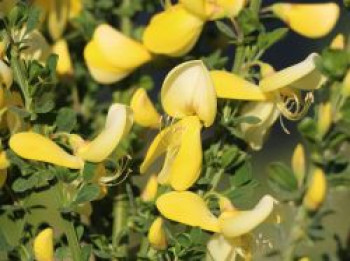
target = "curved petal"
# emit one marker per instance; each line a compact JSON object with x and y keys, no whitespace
{"x":255,"y":134}
{"x":324,"y":17}
{"x":100,"y":69}
{"x":231,"y":86}
{"x":119,"y":50}
{"x":64,"y":63}
{"x":145,"y":114}
{"x":303,"y":75}
{"x":156,"y":235}
{"x":188,"y":90}
{"x":118,"y":123}
{"x":6,"y":75}
{"x":43,"y":245}
{"x":187,"y":208}
{"x":33,"y":146}
{"x":173,"y":32}
{"x":238,"y":223}
{"x":186,"y":166}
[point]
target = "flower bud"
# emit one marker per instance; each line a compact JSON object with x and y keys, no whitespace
{"x":64,"y":63}
{"x":298,"y":163}
{"x":43,"y":245}
{"x":157,"y":236}
{"x":324,"y":118}
{"x":316,"y":191}
{"x":346,"y":85}
{"x":338,"y":43}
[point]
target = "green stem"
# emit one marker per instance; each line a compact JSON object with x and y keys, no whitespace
{"x":296,"y":234}
{"x":120,"y":220}
{"x":255,"y":6}
{"x":239,"y":59}
{"x":126,"y":24}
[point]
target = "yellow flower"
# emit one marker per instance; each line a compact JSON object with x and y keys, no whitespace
{"x":338,"y":43}
{"x":118,"y":124}
{"x":190,"y":209}
{"x":151,"y":188}
{"x":316,"y":191}
{"x":298,"y":163}
{"x":324,"y":17}
{"x":43,"y":245}
{"x":6,"y":75}
{"x":64,"y":63}
{"x":145,"y":114}
{"x":188,"y":90}
{"x":33,"y":146}
{"x":324,"y":118}
{"x":156,"y":235}
{"x":111,"y":56}
{"x":181,"y":144}
{"x":173,"y":32}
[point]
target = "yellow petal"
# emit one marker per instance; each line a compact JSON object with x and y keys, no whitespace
{"x":4,"y":162}
{"x":156,"y":235}
{"x":173,"y":32}
{"x":75,"y":7}
{"x":58,"y":18}
{"x":187,"y":208}
{"x":151,"y":188}
{"x":145,"y":114}
{"x":324,"y":118}
{"x":186,"y":166}
{"x":338,"y":43}
{"x":346,"y":85}
{"x":238,"y":223}
{"x":225,"y":8}
{"x":43,"y":245}
{"x":316,"y":191}
{"x":255,"y":134}
{"x":64,"y":63}
{"x":189,"y":90}
{"x":118,"y":123}
{"x":119,"y":50}
{"x":298,"y":163}
{"x":197,"y":7}
{"x":99,"y":68}
{"x":303,"y":75}
{"x":3,"y":177}
{"x":6,"y":76}
{"x":324,"y":17}
{"x":33,"y":146}
{"x":231,"y":86}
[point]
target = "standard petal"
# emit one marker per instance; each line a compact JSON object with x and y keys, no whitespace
{"x":186,"y":166}
{"x":119,"y":50}
{"x":187,"y":208}
{"x":324,"y":17}
{"x":303,"y":75}
{"x":189,"y":90}
{"x":43,"y":245}
{"x":64,"y":63}
{"x":173,"y":32}
{"x":145,"y":114}
{"x":255,"y":134}
{"x":33,"y":146}
{"x":118,"y":124}
{"x":156,"y":235}
{"x":238,"y":223}
{"x":231,"y":86}
{"x":102,"y":71}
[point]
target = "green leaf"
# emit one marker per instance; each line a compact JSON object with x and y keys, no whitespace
{"x":85,"y":253}
{"x":86,"y":193}
{"x":66,"y":120}
{"x":33,"y":18}
{"x":247,"y":119}
{"x":243,"y":175}
{"x":282,"y":177}
{"x":308,"y":128}
{"x":89,"y":171}
{"x":334,"y":63}
{"x":266,"y":40}
{"x":225,"y":29}
{"x":249,"y":22}
{"x":4,"y":245}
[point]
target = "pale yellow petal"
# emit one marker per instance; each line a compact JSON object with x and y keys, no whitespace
{"x":255,"y":134}
{"x":145,"y":114}
{"x":187,"y":208}
{"x":173,"y":32}
{"x":316,"y":191}
{"x":33,"y":146}
{"x":156,"y":235}
{"x":150,"y":191}
{"x":6,"y":75}
{"x":324,"y":17}
{"x":231,"y":86}
{"x":186,"y":166}
{"x":119,"y":50}
{"x":43,"y":245}
{"x":238,"y":223}
{"x":118,"y":124}
{"x":189,"y":90}
{"x":338,"y":43}
{"x":303,"y":75}
{"x":64,"y":63}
